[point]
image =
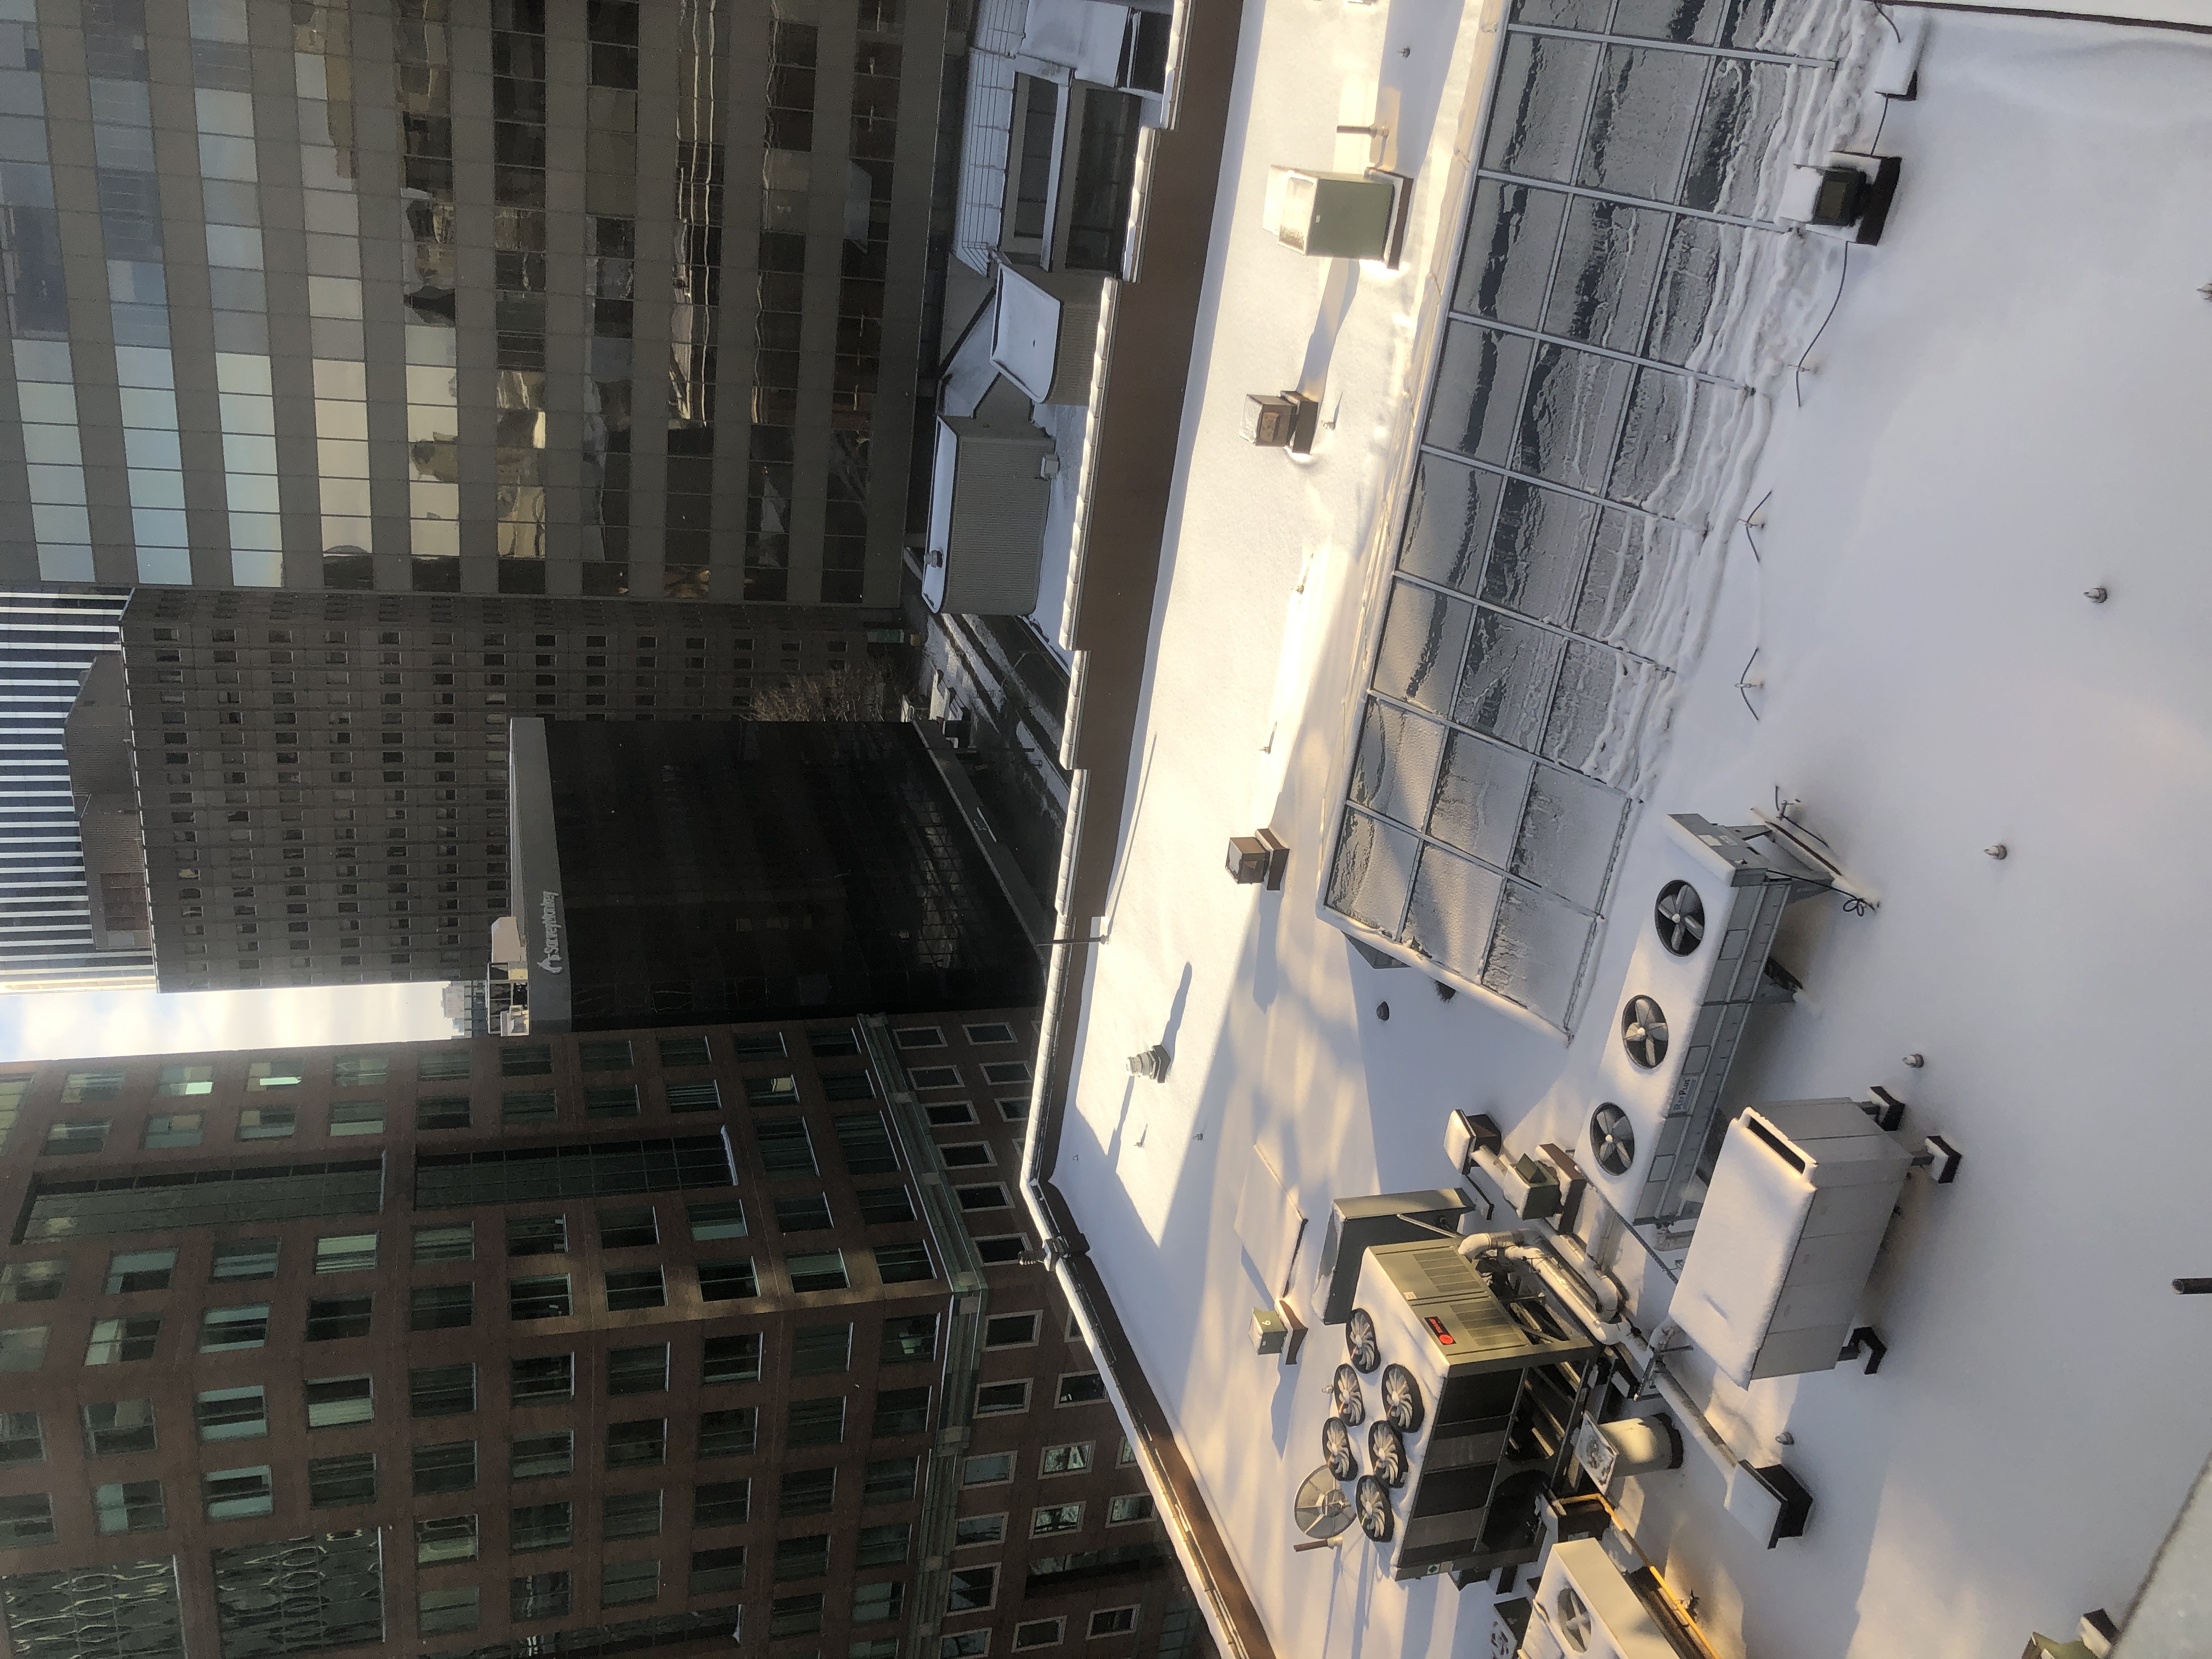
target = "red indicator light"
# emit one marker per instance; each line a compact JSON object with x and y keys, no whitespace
{"x":1436,"y":1329}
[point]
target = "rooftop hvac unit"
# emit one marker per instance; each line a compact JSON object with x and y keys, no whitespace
{"x":1045,"y":331}
{"x":1453,"y":1412}
{"x":1586,"y":1608}
{"x":987,"y":510}
{"x":1337,"y":215}
{"x":1800,"y":1196}
{"x":1699,"y":968}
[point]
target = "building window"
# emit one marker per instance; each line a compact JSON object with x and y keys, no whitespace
{"x":848,"y":1085}
{"x":795,"y":1615}
{"x":111,"y":1427}
{"x":540,"y":1526}
{"x":919,"y":1037}
{"x":275,"y":1071}
{"x":903,"y":1263}
{"x":104,"y":1082}
{"x":1011,"y":1331}
{"x":1072,"y":1458}
{"x":610,"y":1054}
{"x":130,"y":1506}
{"x":166,"y":1131}
{"x":820,"y":1349}
{"x":989,"y":1197}
{"x":356,"y":1117}
{"x":1006,"y":1071}
{"x":806,"y":1491}
{"x":1000,"y":1249}
{"x":815,"y":1422}
{"x":339,"y":1402}
{"x":704,"y":1095}
{"x":23,"y":1440}
{"x":732,"y":1359}
{"x":884,"y":1207}
{"x":1081,"y":1389}
{"x":238,"y":1494}
{"x":715,"y":1218}
{"x":934,"y":1076}
{"x":974,"y":1529}
{"x":622,"y":1582}
{"x":441,"y":1308}
{"x":451,"y":1467}
{"x":1056,"y":1517}
{"x":441,"y":1390}
{"x":757,"y":1045}
{"x":967,"y":1155}
{"x":446,"y":1243}
{"x":637,"y":1287}
{"x":268,"y":1122}
{"x":990,"y":1469}
{"x":817,"y":1270}
{"x":771,"y":1092}
{"x":539,"y":1595}
{"x":628,"y":1229}
{"x":888,"y":1480}
{"x":185,"y":1080}
{"x":75,"y":1135}
{"x":442,"y":1066}
{"x":114,"y":1342}
{"x":345,"y":1253}
{"x":244,"y":1259}
{"x":982,"y":1036}
{"x":442,"y":1112}
{"x":537,"y":1235}
{"x":997,"y":1399}
{"x":973,"y":1589}
{"x":332,"y":1318}
{"x":1014,"y":1109}
{"x":32,"y":1281}
{"x":952,"y":1115}
{"x":1039,"y":1633}
{"x":529,"y":1106}
{"x":542,"y":1456}
{"x":800,"y":1213}
{"x":873,"y":1603}
{"x":546,"y":1380}
{"x":966,"y":1645}
{"x":526,"y":1059}
{"x":908,"y":1340}
{"x":603,"y":1169}
{"x":865,"y":1144}
{"x":900,"y":1411}
{"x":610,"y":1100}
{"x":343,"y":1481}
{"x":135,"y":1204}
{"x":717,"y":1571}
{"x":806,"y":1556}
{"x":543,"y":1296}
{"x":638,"y":1371}
{"x":787,"y":1152}
{"x":131,"y":1271}
{"x":1113,"y":1621}
{"x":630,"y":1514}
{"x":1134,"y":1506}
{"x":728,"y":1433}
{"x":640,"y":1444}
{"x":688,"y":1051}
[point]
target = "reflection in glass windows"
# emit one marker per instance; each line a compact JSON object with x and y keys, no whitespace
{"x":123,"y":1610}
{"x":300,"y":1595}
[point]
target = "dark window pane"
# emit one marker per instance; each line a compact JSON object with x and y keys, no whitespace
{"x":441,"y":1390}
{"x":630,"y":1514}
{"x":817,"y":1350}
{"x":732,"y":1359}
{"x":904,"y":1340}
{"x":440,"y":1307}
{"x":330,"y":1318}
{"x":641,"y":1443}
{"x":451,"y":1467}
{"x":638,"y":1371}
{"x":865,"y":1144}
{"x":806,"y":1491}
{"x":543,"y":1297}
{"x":728,"y":1434}
{"x":541,"y":1456}
{"x":537,"y":1235}
{"x":637,"y":1287}
{"x":522,"y":1174}
{"x":883,"y":1207}
{"x":626,"y":1229}
{"x":901,"y":1411}
{"x":815,"y":1422}
{"x":547,"y":1380}
{"x":342,"y":1481}
{"x":903,"y":1264}
{"x":804,"y":1557}
{"x":728,"y":1281}
{"x":540,"y":1526}
{"x":888,"y":1480}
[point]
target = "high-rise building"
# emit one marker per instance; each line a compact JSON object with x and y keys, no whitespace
{"x":578,"y":1346}
{"x":466,"y":296}
{"x":322,"y":777}
{"x":72,"y":878}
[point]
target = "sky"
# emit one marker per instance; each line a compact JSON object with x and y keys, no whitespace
{"x":84,"y":1025}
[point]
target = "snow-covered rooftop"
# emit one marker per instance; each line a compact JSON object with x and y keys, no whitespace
{"x":2004,"y":408}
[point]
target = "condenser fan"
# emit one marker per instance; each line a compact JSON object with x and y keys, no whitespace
{"x":1401,"y":1398}
{"x":1679,"y":916}
{"x":1336,"y":1447}
{"x":1360,"y":1340}
{"x":1373,"y":1500}
{"x":1350,"y":1400}
{"x":1386,"y":1453}
{"x":1643,"y":1031}
{"x":1571,"y":1618}
{"x":1322,"y":1509}
{"x":1613,"y":1139}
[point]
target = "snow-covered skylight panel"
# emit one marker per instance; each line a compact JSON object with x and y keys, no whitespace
{"x":1580,"y":415}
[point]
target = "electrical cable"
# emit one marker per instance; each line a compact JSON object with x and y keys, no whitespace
{"x":1797,"y":376}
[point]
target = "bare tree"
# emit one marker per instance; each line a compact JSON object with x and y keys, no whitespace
{"x":868,"y":690}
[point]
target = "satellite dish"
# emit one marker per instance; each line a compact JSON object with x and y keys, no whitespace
{"x":1401,"y":1399}
{"x":1373,"y":1500}
{"x":1360,"y":1340}
{"x":1323,"y":1509}
{"x":1351,"y":1399}
{"x":1679,"y":916}
{"x":1613,"y":1139}
{"x":1386,"y":1453}
{"x":1336,"y":1447}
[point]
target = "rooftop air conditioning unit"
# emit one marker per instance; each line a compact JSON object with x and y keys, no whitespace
{"x":1336,"y":216}
{"x":1045,"y":331}
{"x":988,"y":504}
{"x":1704,"y":930}
{"x":1586,"y":1608}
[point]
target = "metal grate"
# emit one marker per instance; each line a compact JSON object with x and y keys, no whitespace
{"x":1589,"y":406}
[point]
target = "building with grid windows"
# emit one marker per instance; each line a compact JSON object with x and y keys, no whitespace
{"x":322,"y":777}
{"x":568,"y":1345}
{"x":466,"y":296}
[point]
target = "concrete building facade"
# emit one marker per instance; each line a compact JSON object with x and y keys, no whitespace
{"x":560,"y":1344}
